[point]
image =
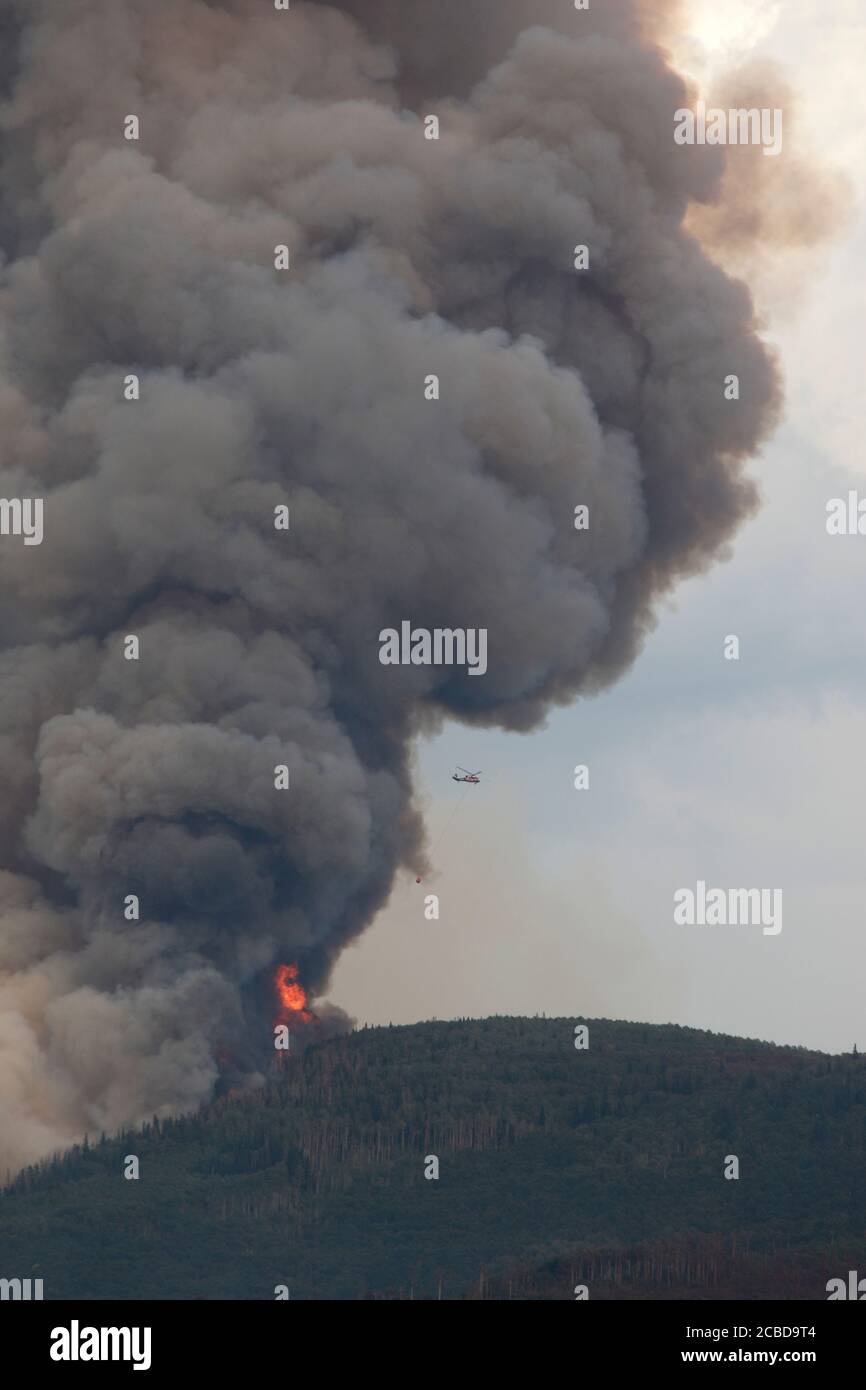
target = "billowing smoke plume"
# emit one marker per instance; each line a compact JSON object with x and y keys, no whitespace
{"x":304,"y":387}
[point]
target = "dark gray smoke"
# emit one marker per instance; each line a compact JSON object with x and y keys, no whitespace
{"x":409,"y":257}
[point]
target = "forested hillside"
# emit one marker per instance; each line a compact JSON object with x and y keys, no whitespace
{"x":557,"y":1166}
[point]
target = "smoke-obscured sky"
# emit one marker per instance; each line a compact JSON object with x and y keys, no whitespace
{"x":743,"y":774}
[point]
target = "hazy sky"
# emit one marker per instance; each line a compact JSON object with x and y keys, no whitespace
{"x":743,"y":774}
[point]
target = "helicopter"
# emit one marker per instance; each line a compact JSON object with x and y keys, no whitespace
{"x":467,"y":776}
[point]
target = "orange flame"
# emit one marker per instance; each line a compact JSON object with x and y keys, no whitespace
{"x":291,"y":994}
